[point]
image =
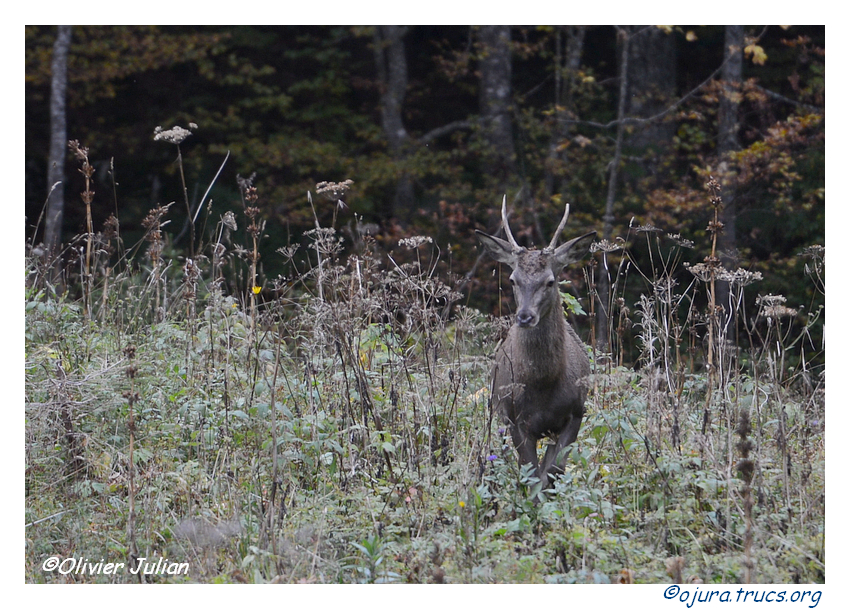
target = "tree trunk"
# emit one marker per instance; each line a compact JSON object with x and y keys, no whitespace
{"x":566,"y":68}
{"x":727,"y":143}
{"x":732,"y":75}
{"x":58,"y":142}
{"x":651,"y":85}
{"x":603,"y":332}
{"x":391,"y":63}
{"x":495,"y":101}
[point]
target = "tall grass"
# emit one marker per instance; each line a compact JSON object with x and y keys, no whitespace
{"x":332,"y":424}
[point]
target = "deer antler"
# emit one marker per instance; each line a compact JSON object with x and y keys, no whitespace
{"x":507,"y":228}
{"x":561,"y":226}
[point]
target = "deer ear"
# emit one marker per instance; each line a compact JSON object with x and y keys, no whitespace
{"x":499,"y":249}
{"x":573,"y":250}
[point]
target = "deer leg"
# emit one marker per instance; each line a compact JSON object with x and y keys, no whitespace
{"x":525,"y":446}
{"x":565,"y":438}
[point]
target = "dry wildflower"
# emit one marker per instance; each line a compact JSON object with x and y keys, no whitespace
{"x":715,"y":226}
{"x":245,"y":183}
{"x":778,"y":312}
{"x":110,"y":228}
{"x":665,"y":286}
{"x":109,"y":234}
{"x":288,"y":251}
{"x":229,"y":220}
{"x":739,"y":277}
{"x":677,"y":238}
{"x":714,"y":186}
{"x":251,"y":197}
{"x":814,"y":251}
{"x":152,"y":220}
{"x":333,"y":191}
{"x":219,"y":252}
{"x":191,"y":273}
{"x":605,"y":246}
{"x":254,"y":229}
{"x":153,"y":224}
{"x":702,"y":271}
{"x":412,"y":243}
{"x":81,"y":152}
{"x":648,"y":228}
{"x":320,"y":233}
{"x":773,"y":307}
{"x":326,"y":240}
{"x":817,"y":254}
{"x":175,"y":135}
{"x":771,"y":300}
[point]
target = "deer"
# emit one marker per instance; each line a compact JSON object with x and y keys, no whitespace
{"x":538,"y":367}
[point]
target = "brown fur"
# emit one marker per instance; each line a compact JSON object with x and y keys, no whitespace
{"x":538,"y":366}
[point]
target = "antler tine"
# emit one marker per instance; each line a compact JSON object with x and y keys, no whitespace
{"x":507,"y":228}
{"x":561,"y":226}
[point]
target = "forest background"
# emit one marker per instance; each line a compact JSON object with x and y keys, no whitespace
{"x":435,"y":124}
{"x":259,"y":330}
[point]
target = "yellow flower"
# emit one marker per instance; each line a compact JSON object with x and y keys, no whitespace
{"x":462,"y":504}
{"x":256,"y":289}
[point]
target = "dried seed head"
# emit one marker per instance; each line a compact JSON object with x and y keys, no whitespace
{"x":739,"y":277}
{"x":701,"y":271}
{"x":648,"y":228}
{"x":81,"y":152}
{"x":605,"y":246}
{"x":251,"y":195}
{"x":773,"y":307}
{"x":677,"y":238}
{"x":229,"y":220}
{"x":412,"y":243}
{"x":245,"y":183}
{"x":778,"y":312}
{"x":175,"y":135}
{"x":110,"y":228}
{"x":715,"y":226}
{"x":713,"y":187}
{"x":770,"y":300}
{"x":333,"y":191}
{"x":814,"y":251}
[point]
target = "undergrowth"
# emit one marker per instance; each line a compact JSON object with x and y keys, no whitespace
{"x":332,"y":425}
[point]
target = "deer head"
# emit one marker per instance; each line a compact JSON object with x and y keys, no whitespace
{"x":535,"y":271}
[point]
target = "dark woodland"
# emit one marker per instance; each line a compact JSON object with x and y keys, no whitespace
{"x":260,"y":327}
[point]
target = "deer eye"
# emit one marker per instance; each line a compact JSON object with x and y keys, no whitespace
{"x":550,"y":283}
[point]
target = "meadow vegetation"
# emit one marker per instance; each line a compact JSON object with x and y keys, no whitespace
{"x":332,"y":424}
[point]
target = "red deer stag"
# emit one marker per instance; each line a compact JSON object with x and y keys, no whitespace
{"x":538,"y":366}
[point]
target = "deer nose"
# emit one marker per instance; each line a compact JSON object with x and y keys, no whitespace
{"x":525,"y":319}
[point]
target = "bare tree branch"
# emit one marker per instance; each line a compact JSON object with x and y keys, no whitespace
{"x":448,"y":128}
{"x":651,"y":119}
{"x":788,"y":100}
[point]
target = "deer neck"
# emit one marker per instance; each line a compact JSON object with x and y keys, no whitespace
{"x":544,"y":345}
